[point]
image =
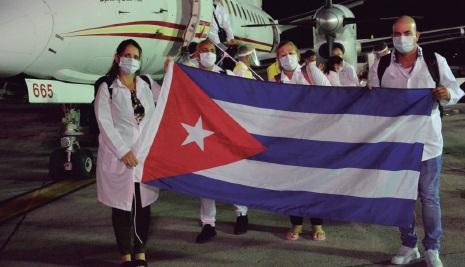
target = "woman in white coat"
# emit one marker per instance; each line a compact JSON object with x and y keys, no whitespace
{"x":288,"y":56}
{"x":125,"y":107}
{"x":333,"y":66}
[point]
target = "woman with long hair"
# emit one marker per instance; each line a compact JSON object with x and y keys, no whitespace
{"x":124,"y":108}
{"x":332,"y":68}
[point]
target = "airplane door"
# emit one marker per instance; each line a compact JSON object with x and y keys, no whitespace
{"x":201,"y":19}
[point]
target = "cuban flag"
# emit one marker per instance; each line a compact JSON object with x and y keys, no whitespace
{"x":346,"y":154}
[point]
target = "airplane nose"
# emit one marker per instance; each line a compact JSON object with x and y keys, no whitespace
{"x":25,"y":28}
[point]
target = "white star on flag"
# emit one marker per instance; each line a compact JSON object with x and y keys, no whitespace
{"x":196,"y":134}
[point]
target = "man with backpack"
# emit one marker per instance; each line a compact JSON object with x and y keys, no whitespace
{"x":410,"y":67}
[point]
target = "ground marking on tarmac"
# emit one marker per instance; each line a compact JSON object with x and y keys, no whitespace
{"x":24,"y":203}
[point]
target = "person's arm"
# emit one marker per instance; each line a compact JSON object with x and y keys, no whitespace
{"x":109,"y":133}
{"x":319,"y":76}
{"x":449,"y":92}
{"x":353,"y":76}
{"x":333,"y":78}
{"x":147,"y":131}
{"x":156,"y":89}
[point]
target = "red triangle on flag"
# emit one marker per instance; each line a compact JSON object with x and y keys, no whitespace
{"x":195,"y":134}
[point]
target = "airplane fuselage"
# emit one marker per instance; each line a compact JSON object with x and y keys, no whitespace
{"x":75,"y":41}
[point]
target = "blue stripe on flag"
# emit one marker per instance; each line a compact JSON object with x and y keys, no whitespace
{"x":316,"y":99}
{"x":384,"y":211}
{"x":335,"y":155}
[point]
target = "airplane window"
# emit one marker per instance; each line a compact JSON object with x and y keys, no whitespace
{"x":234,"y":9}
{"x":245,"y":14}
{"x":239,"y":11}
{"x":254,"y":17}
{"x":229,"y":6}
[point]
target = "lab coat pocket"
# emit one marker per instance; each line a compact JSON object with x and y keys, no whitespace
{"x":112,"y":164}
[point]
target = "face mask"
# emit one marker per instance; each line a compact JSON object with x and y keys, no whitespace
{"x":289,"y":62}
{"x":207,"y":59}
{"x":404,"y":44}
{"x":129,"y":65}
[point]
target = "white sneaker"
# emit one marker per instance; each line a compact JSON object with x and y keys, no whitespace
{"x":405,"y":255}
{"x":432,"y":258}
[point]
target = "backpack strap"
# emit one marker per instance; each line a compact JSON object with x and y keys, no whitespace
{"x":221,"y":31}
{"x":104,"y":79}
{"x":433,"y":68}
{"x":146,"y":79}
{"x":383,"y":64}
{"x":432,"y":63}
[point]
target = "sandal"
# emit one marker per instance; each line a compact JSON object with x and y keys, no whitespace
{"x":318,"y":234}
{"x":294,"y":233}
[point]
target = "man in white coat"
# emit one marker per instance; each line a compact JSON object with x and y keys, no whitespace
{"x":205,"y":58}
{"x":408,"y":69}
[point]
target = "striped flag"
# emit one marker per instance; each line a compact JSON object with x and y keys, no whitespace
{"x":347,"y":154}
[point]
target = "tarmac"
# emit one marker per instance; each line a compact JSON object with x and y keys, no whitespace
{"x":75,"y":230}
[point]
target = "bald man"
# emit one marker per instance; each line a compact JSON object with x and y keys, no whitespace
{"x":409,"y":70}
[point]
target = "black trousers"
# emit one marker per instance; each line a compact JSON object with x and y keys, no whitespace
{"x":123,"y":225}
{"x":297,"y":220}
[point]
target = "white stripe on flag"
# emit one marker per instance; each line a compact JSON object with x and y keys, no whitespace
{"x":349,"y":182}
{"x":323,"y":127}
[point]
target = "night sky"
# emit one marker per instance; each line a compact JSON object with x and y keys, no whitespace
{"x":449,"y":13}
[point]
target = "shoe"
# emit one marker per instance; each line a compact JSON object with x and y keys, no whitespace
{"x":432,"y":258}
{"x":139,"y":263}
{"x":317,"y":233}
{"x":405,"y":255}
{"x":294,"y":233}
{"x":241,"y":225}
{"x":207,"y":234}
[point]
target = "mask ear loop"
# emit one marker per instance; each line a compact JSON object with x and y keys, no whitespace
{"x":226,"y":54}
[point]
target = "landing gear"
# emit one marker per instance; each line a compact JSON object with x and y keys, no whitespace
{"x":71,"y":160}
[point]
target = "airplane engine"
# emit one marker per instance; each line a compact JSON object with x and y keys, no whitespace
{"x":25,"y":28}
{"x":335,"y":22}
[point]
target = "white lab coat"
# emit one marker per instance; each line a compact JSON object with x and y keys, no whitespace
{"x":396,"y":77}
{"x":119,"y":134}
{"x":333,"y":78}
{"x":297,"y":78}
{"x":222,"y":16}
{"x":318,"y":76}
{"x":348,"y":76}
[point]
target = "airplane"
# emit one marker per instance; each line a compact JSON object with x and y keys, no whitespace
{"x":65,"y":54}
{"x":336,"y":23}
{"x":67,"y":45}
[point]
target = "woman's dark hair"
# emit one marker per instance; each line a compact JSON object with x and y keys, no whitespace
{"x":331,"y":63}
{"x":114,"y":70}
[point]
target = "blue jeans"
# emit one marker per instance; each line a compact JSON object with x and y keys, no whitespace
{"x":428,"y":192}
